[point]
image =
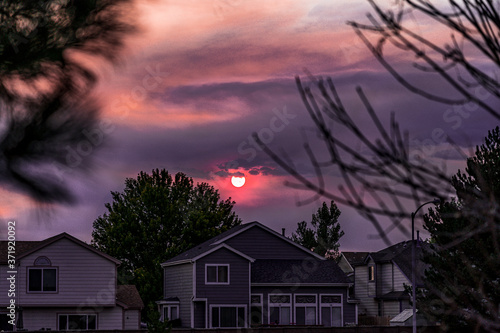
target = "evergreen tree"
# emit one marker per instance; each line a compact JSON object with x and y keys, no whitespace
{"x":462,"y":281}
{"x":324,"y":237}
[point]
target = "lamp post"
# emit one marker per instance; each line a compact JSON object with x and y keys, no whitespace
{"x":413,"y":262}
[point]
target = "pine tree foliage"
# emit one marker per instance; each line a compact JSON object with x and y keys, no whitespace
{"x":324,"y":236}
{"x":463,"y":279}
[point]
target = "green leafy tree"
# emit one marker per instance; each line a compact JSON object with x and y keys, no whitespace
{"x":155,"y":218}
{"x":324,"y":237}
{"x":462,"y":282}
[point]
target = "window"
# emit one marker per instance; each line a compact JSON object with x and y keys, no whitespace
{"x":217,"y":274}
{"x":228,"y":316}
{"x":256,"y":310}
{"x":305,"y":309}
{"x":371,"y":273}
{"x":280,"y":309}
{"x":331,"y":310}
{"x":42,"y":279}
{"x":77,"y":322}
{"x":170,"y":312}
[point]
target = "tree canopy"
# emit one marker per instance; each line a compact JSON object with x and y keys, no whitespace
{"x":325,"y":235}
{"x":155,"y":218}
{"x":463,"y":288}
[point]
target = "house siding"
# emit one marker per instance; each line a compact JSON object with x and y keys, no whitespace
{"x":131,"y":320}
{"x":84,"y":278}
{"x":179,"y":283}
{"x":368,"y":306}
{"x":36,"y":319}
{"x":260,"y":244}
{"x":238,"y":289}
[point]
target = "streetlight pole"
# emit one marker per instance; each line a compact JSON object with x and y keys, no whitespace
{"x":413,"y":262}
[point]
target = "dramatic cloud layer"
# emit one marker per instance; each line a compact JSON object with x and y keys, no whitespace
{"x":202,"y":76}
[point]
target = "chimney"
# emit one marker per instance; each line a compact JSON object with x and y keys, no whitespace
{"x":283,"y":232}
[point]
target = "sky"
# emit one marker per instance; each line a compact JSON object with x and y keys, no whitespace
{"x":199,"y":77}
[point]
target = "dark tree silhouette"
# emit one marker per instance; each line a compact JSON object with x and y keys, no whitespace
{"x":462,"y":284}
{"x":324,"y":236}
{"x":45,"y":85}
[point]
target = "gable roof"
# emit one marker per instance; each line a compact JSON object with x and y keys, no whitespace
{"x":400,"y":254}
{"x":195,"y":252}
{"x":310,"y":271}
{"x":25,"y":248}
{"x":355,"y":258}
{"x":128,"y":297}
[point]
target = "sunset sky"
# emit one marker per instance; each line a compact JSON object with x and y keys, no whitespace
{"x":201,"y":76}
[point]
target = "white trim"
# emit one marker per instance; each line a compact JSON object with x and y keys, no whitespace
{"x":261,"y":304}
{"x":279,"y":305}
{"x":347,"y":261}
{"x":306,"y":305}
{"x":263,"y":227}
{"x":332,"y":305}
{"x":301,"y":284}
{"x":169,"y":307}
{"x":226,"y":247}
{"x":228,"y":306}
{"x":217,"y":274}
{"x":194,"y":293}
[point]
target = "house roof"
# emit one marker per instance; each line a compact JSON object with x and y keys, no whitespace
{"x":24,"y":248}
{"x":128,"y":297}
{"x":355,"y":258}
{"x":305,"y":271}
{"x":401,"y":255}
{"x":197,"y":251}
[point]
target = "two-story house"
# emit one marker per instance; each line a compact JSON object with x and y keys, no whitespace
{"x":251,"y":275}
{"x":380,"y":279}
{"x":62,"y":283}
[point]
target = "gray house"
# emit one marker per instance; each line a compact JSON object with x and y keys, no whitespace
{"x":380,"y":279}
{"x":252,"y":276}
{"x":61,"y":283}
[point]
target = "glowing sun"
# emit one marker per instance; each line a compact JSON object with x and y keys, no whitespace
{"x":238,"y":181}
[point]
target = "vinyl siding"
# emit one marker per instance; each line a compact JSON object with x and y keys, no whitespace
{"x":385,"y":279}
{"x":131,"y":320}
{"x":35,"y":319}
{"x":368,"y":305}
{"x":84,"y":278}
{"x":179,"y":283}
{"x":238,"y":289}
{"x":260,"y":244}
{"x":400,"y":280}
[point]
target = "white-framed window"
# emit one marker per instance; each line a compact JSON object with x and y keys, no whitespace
{"x":256,"y":306}
{"x":228,"y":316}
{"x":170,"y":312}
{"x":371,"y":273}
{"x":42,"y":280}
{"x":280,"y":306}
{"x":305,"y":309}
{"x":216,"y":274}
{"x":69,"y":322}
{"x":331,"y":310}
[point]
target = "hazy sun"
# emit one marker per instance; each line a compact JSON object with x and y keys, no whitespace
{"x":238,"y":181}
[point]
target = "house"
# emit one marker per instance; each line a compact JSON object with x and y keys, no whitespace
{"x":251,"y":275}
{"x":348,"y":260}
{"x":62,"y":283}
{"x":380,"y":279}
